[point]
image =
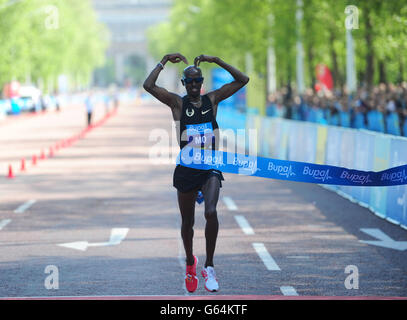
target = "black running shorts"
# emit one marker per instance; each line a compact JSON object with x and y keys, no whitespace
{"x":187,"y":179}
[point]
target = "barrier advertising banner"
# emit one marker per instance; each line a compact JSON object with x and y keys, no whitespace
{"x":360,"y":150}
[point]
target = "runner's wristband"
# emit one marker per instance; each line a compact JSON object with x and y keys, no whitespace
{"x":160,"y":65}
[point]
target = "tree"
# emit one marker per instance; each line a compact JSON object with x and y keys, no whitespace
{"x":41,"y":39}
{"x":231,"y":29}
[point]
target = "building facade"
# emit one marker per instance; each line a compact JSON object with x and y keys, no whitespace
{"x":128,"y":21}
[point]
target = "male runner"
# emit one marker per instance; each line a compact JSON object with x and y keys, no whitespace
{"x":195,"y":118}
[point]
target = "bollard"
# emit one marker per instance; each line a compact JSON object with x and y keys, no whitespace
{"x":10,"y":172}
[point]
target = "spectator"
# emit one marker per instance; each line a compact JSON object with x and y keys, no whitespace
{"x":89,"y":108}
{"x":359,"y":120}
{"x":344,"y":114}
{"x":106,"y":100}
{"x":375,"y":120}
{"x":303,"y":109}
{"x":384,"y":109}
{"x":335,"y":107}
{"x":405,"y":123}
{"x":392,"y":118}
{"x":271,"y":109}
{"x":116,"y":100}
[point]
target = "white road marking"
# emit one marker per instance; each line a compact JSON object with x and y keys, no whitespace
{"x":230,"y":204}
{"x":244,"y":225}
{"x":288,"y":291}
{"x":24,"y":206}
{"x":384,"y":240}
{"x":266,"y":257}
{"x":4,"y":222}
{"x":116,"y":237}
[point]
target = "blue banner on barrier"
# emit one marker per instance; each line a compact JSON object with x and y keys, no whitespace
{"x":289,"y":170}
{"x":397,"y":196}
{"x":378,"y":196}
{"x":363,"y":160}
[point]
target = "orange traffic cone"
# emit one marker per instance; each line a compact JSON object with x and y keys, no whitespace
{"x":42,"y":157}
{"x":34,"y":160}
{"x":51,"y":152}
{"x":10,"y":172}
{"x":22,"y":164}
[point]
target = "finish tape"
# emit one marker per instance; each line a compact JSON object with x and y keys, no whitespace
{"x":289,"y":170}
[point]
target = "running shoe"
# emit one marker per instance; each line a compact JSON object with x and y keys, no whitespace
{"x":191,"y":281}
{"x":200,"y":197}
{"x":211,"y":283}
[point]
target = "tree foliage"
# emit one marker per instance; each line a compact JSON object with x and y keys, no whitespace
{"x":41,"y":39}
{"x":230,"y":29}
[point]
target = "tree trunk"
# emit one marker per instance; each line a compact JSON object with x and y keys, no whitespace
{"x":370,"y":52}
{"x":289,"y":71}
{"x":311,"y":67}
{"x":335,"y":68}
{"x":382,"y":72}
{"x":400,"y":76}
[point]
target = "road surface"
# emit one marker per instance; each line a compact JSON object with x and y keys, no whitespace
{"x":100,"y":218}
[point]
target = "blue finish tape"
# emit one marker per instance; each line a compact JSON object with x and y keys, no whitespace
{"x":289,"y":170}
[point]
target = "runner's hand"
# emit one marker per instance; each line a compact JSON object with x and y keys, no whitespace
{"x":174,"y":58}
{"x":204,"y":58}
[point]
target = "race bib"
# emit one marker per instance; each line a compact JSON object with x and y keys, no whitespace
{"x":200,"y":135}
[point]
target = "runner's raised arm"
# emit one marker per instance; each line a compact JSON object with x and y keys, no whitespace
{"x":166,"y":97}
{"x":227,"y":90}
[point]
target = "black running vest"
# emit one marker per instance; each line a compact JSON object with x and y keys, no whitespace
{"x":198,"y":126}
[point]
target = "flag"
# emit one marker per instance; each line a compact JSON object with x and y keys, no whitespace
{"x":324,"y":77}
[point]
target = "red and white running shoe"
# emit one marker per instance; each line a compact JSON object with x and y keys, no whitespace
{"x":211,"y":283}
{"x":191,"y":281}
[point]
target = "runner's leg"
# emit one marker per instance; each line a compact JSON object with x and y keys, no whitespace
{"x":186,"y":202}
{"x":210,"y":191}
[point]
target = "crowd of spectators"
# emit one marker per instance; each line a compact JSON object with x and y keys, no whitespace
{"x":383,"y":109}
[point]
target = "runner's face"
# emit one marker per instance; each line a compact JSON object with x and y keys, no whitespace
{"x":193,"y":88}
